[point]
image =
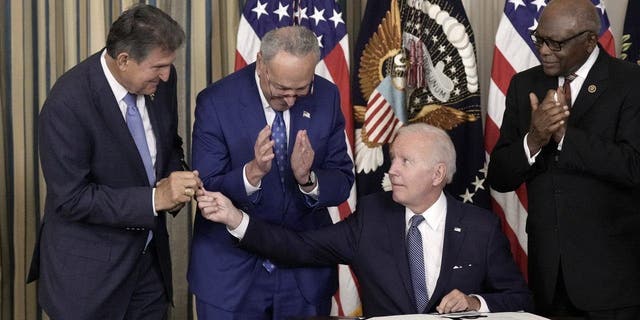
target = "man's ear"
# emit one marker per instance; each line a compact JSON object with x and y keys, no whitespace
{"x":439,"y":173}
{"x":259,"y":63}
{"x":122,"y":61}
{"x":592,"y":42}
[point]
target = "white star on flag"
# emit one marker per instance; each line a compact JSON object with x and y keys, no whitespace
{"x":336,"y":18}
{"x":260,"y":9}
{"x":282,"y":11}
{"x":318,"y":15}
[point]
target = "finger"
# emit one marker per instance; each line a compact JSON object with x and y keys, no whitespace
{"x":533,"y":100}
{"x":442,"y":307}
{"x":304,"y":139}
{"x":263,"y":136}
{"x":267,"y":148}
{"x":459,"y":305}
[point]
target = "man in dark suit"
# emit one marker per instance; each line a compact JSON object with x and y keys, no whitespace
{"x":464,"y":257}
{"x":271,"y":137}
{"x":111,"y":157}
{"x":571,"y":132}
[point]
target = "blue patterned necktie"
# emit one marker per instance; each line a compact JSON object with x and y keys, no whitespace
{"x":134,"y":122}
{"x":416,"y":263}
{"x":279,"y":135}
{"x":136,"y":128}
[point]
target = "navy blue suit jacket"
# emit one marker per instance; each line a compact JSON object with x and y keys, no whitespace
{"x":229,"y":116}
{"x":98,"y":209}
{"x":475,"y":258}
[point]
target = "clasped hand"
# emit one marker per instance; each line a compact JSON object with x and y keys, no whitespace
{"x":177,"y":189}
{"x":301,"y":157}
{"x":548,"y":119}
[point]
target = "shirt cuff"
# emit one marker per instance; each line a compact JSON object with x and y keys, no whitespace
{"x":153,"y":201}
{"x":530,"y":158}
{"x":247,"y":186}
{"x":315,"y":193}
{"x":242,"y":228}
{"x":483,"y":304}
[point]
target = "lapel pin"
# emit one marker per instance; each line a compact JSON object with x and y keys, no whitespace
{"x":592,"y":88}
{"x":306,"y":114}
{"x":457,"y":267}
{"x":457,"y":229}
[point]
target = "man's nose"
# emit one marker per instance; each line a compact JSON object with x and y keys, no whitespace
{"x":290,"y":101}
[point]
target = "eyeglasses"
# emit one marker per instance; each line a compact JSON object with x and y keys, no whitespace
{"x":276,"y":92}
{"x":553,"y":45}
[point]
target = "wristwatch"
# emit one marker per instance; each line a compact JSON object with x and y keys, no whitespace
{"x":311,"y":181}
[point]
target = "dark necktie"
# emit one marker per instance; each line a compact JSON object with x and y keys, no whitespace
{"x":416,"y":263}
{"x":279,"y":135}
{"x":567,"y":88}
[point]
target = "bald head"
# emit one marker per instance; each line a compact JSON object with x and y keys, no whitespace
{"x":582,"y":14}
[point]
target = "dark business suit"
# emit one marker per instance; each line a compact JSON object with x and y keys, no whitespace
{"x":229,"y":115}
{"x":475,"y":257}
{"x":583,"y":200}
{"x":98,"y":210}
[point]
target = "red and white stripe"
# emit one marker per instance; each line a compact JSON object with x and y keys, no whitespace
{"x":380,"y":123}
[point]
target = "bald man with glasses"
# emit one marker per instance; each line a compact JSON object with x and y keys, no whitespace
{"x":271,"y":137}
{"x":571,"y":133}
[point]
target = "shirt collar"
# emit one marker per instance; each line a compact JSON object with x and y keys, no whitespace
{"x":434,"y":215}
{"x":118,"y":90}
{"x":263,"y":99}
{"x":583,"y":71}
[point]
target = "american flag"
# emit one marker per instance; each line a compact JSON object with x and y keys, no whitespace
{"x":514,"y":52}
{"x":325,"y":18}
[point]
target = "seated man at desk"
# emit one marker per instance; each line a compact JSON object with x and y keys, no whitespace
{"x":414,"y":250}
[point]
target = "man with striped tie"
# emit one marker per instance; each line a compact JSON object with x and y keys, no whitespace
{"x":112,"y":160}
{"x":413,"y":250}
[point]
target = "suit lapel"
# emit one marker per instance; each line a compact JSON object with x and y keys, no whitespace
{"x":108,"y":108}
{"x":397,"y":238}
{"x":454,"y":234}
{"x":594,"y":85}
{"x":251,"y":110}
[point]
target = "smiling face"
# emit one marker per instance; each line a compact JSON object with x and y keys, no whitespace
{"x":142,"y":77}
{"x":416,"y":179}
{"x":562,"y":20}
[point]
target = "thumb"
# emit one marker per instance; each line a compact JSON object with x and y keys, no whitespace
{"x":533,"y":99}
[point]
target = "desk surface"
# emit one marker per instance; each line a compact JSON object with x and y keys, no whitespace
{"x":466,"y":315}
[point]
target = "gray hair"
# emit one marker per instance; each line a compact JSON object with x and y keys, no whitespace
{"x":141,"y":29}
{"x":441,"y":148}
{"x":296,"y":40}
